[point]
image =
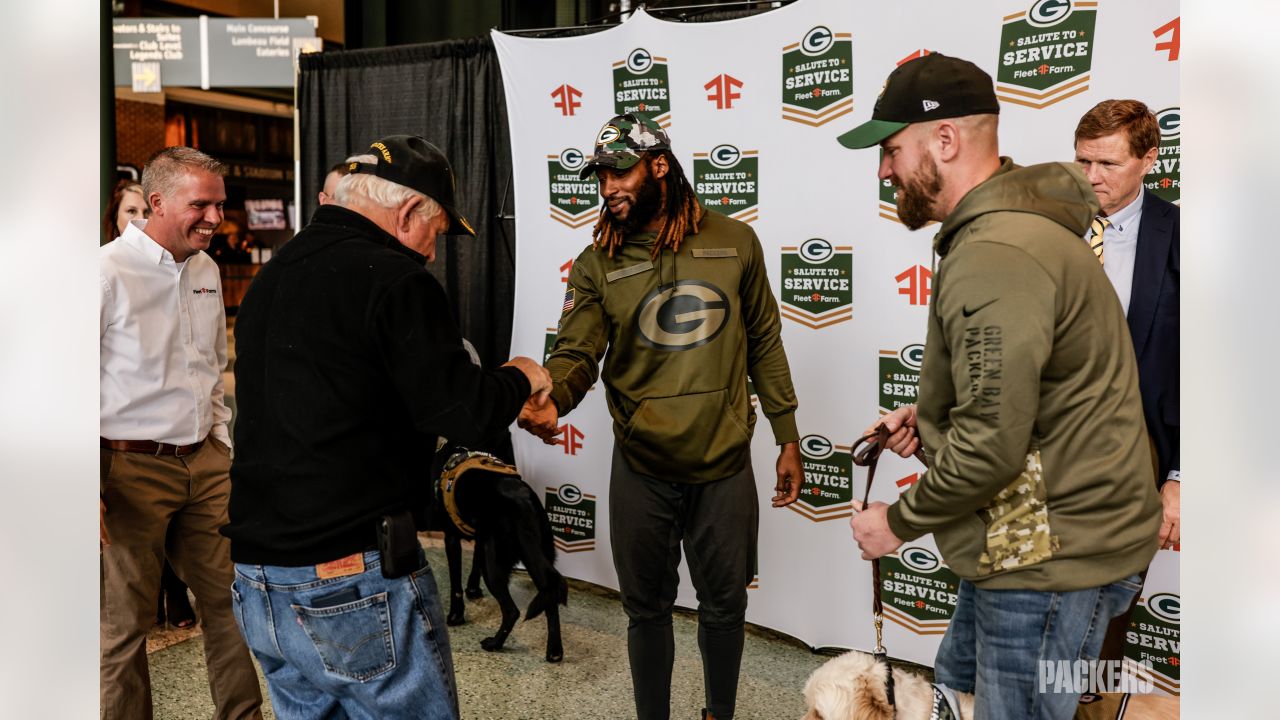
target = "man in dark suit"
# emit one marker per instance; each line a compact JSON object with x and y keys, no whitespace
{"x":1136,"y":239}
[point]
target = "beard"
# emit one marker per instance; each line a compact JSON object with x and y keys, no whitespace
{"x":917,"y":195}
{"x":648,"y":203}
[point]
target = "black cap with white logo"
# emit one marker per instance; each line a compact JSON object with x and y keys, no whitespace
{"x":413,"y":162}
{"x":931,"y":87}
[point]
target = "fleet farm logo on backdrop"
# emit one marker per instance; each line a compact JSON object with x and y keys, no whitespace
{"x":572,"y":514}
{"x":828,"y":480}
{"x":1165,"y":178}
{"x":640,"y":84}
{"x":817,"y":283}
{"x":918,"y":591}
{"x":1153,"y":639}
{"x":1046,"y":53}
{"x":817,"y":77}
{"x":900,"y":376}
{"x":574,"y":202}
{"x":725,"y":181}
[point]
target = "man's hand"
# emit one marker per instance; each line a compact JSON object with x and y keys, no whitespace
{"x":539,"y":378}
{"x":1171,"y":525}
{"x":540,"y":418}
{"x":102,"y":524}
{"x":903,"y":439}
{"x":871,"y":530}
{"x":790,"y":475}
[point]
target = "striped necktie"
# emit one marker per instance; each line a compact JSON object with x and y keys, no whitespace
{"x":1098,"y":226}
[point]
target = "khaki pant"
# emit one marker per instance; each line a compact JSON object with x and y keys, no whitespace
{"x":145,"y":496}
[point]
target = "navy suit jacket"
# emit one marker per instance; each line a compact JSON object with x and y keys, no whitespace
{"x":1153,"y":323}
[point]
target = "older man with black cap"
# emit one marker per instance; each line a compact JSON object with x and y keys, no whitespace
{"x":1039,"y":492}
{"x":679,"y":298}
{"x":348,"y":369}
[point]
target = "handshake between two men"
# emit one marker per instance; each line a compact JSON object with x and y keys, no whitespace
{"x":539,"y":414}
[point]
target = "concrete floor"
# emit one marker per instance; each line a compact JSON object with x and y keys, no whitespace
{"x":592,"y":682}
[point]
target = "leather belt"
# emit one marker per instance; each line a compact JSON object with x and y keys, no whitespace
{"x":149,"y":447}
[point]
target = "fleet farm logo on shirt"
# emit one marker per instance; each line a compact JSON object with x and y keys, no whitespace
{"x":900,"y":376}
{"x":640,"y":84}
{"x":1046,"y":53}
{"x":918,"y":591}
{"x":1153,"y":639}
{"x":817,"y":77}
{"x":574,"y":202}
{"x":572,"y":514}
{"x":725,"y":180}
{"x":1165,"y":178}
{"x":204,"y":291}
{"x":828,"y":480}
{"x":817,"y":283}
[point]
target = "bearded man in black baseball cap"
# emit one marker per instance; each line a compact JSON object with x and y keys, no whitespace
{"x":348,"y":370}
{"x":1039,"y":493}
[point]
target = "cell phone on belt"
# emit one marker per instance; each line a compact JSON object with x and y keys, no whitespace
{"x":398,"y":545}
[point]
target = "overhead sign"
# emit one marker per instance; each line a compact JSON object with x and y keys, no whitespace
{"x":212,"y":52}
{"x":173,"y":43}
{"x":255,"y":53}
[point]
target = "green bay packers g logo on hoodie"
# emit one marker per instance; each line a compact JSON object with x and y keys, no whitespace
{"x":682,"y":316}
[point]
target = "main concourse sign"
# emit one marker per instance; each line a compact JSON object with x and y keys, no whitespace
{"x":211,"y":52}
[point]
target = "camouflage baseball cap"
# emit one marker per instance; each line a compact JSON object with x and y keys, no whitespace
{"x":622,"y":140}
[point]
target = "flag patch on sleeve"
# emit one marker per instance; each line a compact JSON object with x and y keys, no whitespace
{"x":568,"y":300}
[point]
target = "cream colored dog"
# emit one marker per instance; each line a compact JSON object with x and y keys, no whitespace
{"x":851,"y":687}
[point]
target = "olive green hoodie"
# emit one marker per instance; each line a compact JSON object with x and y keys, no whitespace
{"x":682,"y":332}
{"x":1040,"y":471}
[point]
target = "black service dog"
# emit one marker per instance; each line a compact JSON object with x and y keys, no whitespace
{"x":482,"y":497}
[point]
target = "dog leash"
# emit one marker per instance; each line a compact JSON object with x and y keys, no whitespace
{"x":866,"y":453}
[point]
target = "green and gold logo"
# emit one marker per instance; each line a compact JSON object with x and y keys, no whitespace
{"x":1154,"y":637}
{"x":640,"y":84}
{"x":725,"y":180}
{"x":899,"y":376}
{"x":1165,"y":177}
{"x":817,"y":77}
{"x":817,"y":283}
{"x":1046,"y":53}
{"x":574,"y":202}
{"x":918,"y":591}
{"x":828,"y":480}
{"x":572,"y":514}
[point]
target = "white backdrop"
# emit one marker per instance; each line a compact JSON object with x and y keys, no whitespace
{"x":753,"y":107}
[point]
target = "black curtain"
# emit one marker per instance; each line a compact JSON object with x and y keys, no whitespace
{"x":451,"y":94}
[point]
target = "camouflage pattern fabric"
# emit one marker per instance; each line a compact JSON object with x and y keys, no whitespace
{"x":622,"y":140}
{"x":1018,"y":523}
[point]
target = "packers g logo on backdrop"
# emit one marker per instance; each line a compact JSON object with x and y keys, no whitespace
{"x":1164,"y":179}
{"x":1046,"y":53}
{"x":683,"y":316}
{"x":817,"y":41}
{"x":1166,"y":606}
{"x":639,"y":61}
{"x":573,"y":200}
{"x":817,"y":283}
{"x":572,"y":516}
{"x":817,"y":77}
{"x":899,"y":377}
{"x":919,"y":559}
{"x":726,"y":181}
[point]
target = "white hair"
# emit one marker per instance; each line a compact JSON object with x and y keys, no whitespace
{"x":359,"y":187}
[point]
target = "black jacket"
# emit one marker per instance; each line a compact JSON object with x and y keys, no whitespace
{"x":1153,"y":323}
{"x":348,"y":367}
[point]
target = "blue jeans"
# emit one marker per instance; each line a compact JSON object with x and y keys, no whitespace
{"x":359,"y":646}
{"x":997,"y":638}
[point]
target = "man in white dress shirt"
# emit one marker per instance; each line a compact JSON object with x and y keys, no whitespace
{"x":165,"y":449}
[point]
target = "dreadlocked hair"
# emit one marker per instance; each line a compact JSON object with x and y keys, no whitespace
{"x":680,"y":214}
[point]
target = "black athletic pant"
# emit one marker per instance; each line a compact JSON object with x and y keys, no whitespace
{"x":718,"y":523}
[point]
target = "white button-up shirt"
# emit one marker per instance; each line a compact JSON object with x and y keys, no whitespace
{"x":163,"y":343}
{"x":1120,"y":248}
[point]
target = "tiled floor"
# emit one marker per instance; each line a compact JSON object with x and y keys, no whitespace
{"x":592,"y":682}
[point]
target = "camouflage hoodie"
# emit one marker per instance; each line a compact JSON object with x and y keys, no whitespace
{"x":1040,"y":471}
{"x":682,"y":332}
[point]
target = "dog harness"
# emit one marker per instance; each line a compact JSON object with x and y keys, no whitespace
{"x":454,"y":469}
{"x":945,"y":704}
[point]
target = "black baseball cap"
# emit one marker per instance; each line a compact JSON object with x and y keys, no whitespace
{"x":931,"y":87}
{"x":413,"y":162}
